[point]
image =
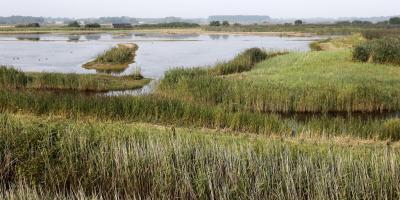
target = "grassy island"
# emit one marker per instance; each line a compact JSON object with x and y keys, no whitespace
{"x":117,"y":58}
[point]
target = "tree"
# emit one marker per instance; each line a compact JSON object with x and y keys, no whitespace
{"x":215,"y":23}
{"x":92,"y":25}
{"x":298,"y":22}
{"x":74,"y":24}
{"x":394,"y":21}
{"x":225,"y":23}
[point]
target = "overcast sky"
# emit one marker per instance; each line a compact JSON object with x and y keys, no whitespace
{"x":200,"y":8}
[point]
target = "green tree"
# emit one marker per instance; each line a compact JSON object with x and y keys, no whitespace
{"x":215,"y":23}
{"x":225,"y":23}
{"x":74,"y":24}
{"x":394,"y":21}
{"x":298,"y":22}
{"x":92,"y":25}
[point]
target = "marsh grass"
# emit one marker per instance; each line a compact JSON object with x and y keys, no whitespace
{"x":318,"y":82}
{"x":244,"y":61}
{"x":58,"y":158}
{"x":14,"y":79}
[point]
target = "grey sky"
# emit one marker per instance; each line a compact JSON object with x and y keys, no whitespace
{"x":200,"y":8}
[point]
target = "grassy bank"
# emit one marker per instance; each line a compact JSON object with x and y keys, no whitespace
{"x":15,"y":79}
{"x":326,"y":81}
{"x":117,"y":58}
{"x":56,"y":158}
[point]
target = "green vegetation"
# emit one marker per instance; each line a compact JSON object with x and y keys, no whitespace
{"x":14,"y":79}
{"x":74,"y":24}
{"x":377,"y":34}
{"x":93,"y":25}
{"x":394,"y":21}
{"x":384,"y":51}
{"x":264,"y":125}
{"x":31,"y":25}
{"x":298,"y":22}
{"x":169,"y":25}
{"x":117,"y":58}
{"x":327,"y":81}
{"x":215,"y":23}
{"x":51,"y":158}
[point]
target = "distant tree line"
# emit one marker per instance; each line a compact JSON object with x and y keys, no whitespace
{"x":21,"y":20}
{"x":170,"y":25}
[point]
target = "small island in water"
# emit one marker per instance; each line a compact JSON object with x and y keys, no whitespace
{"x":117,"y":58}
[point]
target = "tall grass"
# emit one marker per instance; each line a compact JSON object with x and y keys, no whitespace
{"x":54,"y":158}
{"x":245,"y":61}
{"x":160,"y":110}
{"x":12,"y":78}
{"x":377,"y":34}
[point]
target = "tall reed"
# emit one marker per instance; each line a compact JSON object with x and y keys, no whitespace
{"x":56,"y":158}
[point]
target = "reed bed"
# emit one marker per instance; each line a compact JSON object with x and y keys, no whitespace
{"x":58,"y":158}
{"x":161,"y":110}
{"x":14,"y":79}
{"x":384,"y":51}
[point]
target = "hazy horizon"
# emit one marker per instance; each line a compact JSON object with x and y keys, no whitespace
{"x":203,"y":9}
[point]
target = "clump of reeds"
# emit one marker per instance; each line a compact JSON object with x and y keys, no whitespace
{"x":385,"y":51}
{"x":12,"y":78}
{"x":122,"y":54}
{"x":245,"y":61}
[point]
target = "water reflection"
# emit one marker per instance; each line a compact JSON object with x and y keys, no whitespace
{"x":28,"y":38}
{"x":122,"y":36}
{"x":93,"y":37}
{"x":218,"y":37}
{"x":168,"y":36}
{"x":111,"y":71}
{"x":74,"y":38}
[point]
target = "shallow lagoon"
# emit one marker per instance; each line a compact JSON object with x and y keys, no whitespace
{"x":157,"y":52}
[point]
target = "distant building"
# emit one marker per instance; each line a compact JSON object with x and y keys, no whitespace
{"x":122,"y":25}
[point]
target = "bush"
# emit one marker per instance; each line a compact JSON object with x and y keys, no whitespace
{"x":31,"y":25}
{"x":215,"y":23}
{"x":384,"y":51}
{"x":93,"y":25}
{"x":225,"y":23}
{"x":298,"y":22}
{"x":394,"y":21}
{"x":74,"y":24}
{"x":362,"y":52}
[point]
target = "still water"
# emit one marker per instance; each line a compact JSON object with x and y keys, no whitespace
{"x":157,"y":52}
